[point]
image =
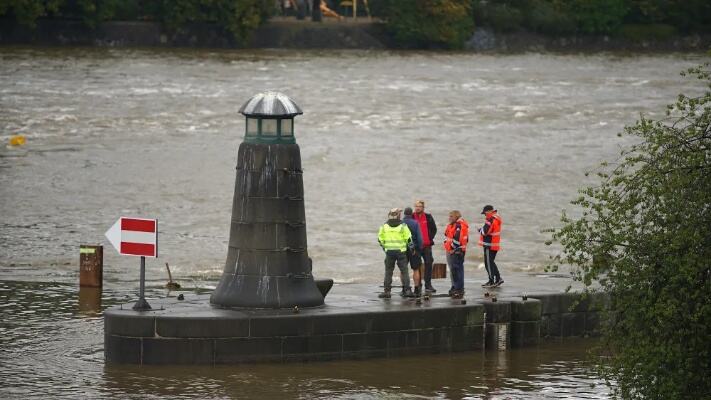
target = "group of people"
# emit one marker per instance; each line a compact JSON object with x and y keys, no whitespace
{"x":409,"y":240}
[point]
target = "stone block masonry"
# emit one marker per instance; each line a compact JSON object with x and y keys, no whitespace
{"x":194,"y":333}
{"x":353,"y":324}
{"x":571,"y":314}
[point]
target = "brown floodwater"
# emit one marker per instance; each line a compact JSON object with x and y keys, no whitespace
{"x":51,"y":336}
{"x":154,"y":133}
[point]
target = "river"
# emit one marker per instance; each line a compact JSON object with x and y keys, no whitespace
{"x":154,"y":133}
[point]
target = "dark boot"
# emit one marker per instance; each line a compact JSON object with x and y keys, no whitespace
{"x":407,"y":292}
{"x":430,"y":289}
{"x":385,"y":294}
{"x":418,"y":291}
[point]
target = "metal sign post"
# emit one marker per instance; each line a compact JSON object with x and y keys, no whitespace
{"x":136,"y":237}
{"x":142,"y":304}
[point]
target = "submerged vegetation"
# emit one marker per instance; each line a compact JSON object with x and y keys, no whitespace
{"x":645,"y":236}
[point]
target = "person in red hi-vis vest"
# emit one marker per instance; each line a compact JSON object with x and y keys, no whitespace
{"x":490,"y":239}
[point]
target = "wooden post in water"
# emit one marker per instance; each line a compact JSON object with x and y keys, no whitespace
{"x":91,"y":266}
{"x":90,"y":300}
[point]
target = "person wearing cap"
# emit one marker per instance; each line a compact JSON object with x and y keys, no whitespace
{"x":428,"y":229}
{"x":396,"y":240}
{"x":455,"y":244}
{"x":414,"y":255}
{"x":489,"y":239}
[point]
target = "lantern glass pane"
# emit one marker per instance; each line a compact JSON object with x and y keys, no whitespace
{"x":287,"y":127}
{"x":252,"y":126}
{"x":269,"y":127}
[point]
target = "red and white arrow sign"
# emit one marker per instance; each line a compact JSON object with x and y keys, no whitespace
{"x":134,"y":236}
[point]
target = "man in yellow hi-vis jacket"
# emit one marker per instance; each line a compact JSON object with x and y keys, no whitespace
{"x":396,"y":240}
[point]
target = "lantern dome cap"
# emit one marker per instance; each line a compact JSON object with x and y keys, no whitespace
{"x":270,"y":104}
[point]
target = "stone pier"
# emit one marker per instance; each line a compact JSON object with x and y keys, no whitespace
{"x":353,"y":324}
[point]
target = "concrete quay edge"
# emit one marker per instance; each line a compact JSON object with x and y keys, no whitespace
{"x":353,"y":324}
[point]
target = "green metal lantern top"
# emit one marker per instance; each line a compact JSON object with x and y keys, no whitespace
{"x":270,"y":118}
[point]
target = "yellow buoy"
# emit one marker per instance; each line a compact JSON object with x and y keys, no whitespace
{"x":18,"y":140}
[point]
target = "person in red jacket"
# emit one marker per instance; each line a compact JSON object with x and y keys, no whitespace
{"x":455,"y":244}
{"x":489,"y":239}
{"x":428,"y":229}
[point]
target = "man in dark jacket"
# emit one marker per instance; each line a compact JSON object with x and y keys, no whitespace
{"x":428,"y":230}
{"x":414,"y":255}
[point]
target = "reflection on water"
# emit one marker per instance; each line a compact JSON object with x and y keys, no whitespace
{"x":527,"y":373}
{"x":52,"y":345}
{"x":90,"y":301}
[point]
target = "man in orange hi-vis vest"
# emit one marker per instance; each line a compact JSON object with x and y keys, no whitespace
{"x":489,"y":239}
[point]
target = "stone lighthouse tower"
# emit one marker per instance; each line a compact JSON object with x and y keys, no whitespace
{"x":267,"y":262}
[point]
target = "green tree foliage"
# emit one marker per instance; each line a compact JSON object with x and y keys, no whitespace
{"x":26,"y":12}
{"x":595,"y":16}
{"x":645,"y":236}
{"x":685,"y":15}
{"x":92,"y":12}
{"x":546,"y":17}
{"x":237,"y":17}
{"x":551,"y":16}
{"x":501,"y":17}
{"x":428,"y":23}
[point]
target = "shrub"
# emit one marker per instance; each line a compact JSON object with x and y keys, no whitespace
{"x":505,"y":18}
{"x":691,"y":15}
{"x":687,"y":16}
{"x":595,"y":16}
{"x":645,"y":236}
{"x":92,"y":12}
{"x":544,"y":17}
{"x":26,"y":12}
{"x":428,"y":23}
{"x":239,"y":18}
{"x":501,"y":17}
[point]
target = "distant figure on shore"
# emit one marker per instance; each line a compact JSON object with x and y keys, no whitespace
{"x":489,"y":238}
{"x":288,"y":7}
{"x":455,"y":244}
{"x":327,"y":12}
{"x":428,"y":229}
{"x":414,"y":256}
{"x":396,"y":240}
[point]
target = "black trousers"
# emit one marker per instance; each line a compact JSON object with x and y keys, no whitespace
{"x":427,"y":256}
{"x":491,"y":268}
